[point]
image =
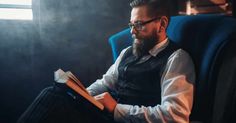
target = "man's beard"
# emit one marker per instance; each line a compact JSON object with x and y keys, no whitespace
{"x":142,"y":45}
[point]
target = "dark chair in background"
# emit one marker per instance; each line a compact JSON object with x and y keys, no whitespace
{"x":210,"y":41}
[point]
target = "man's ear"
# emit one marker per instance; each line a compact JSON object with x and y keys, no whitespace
{"x":163,"y":23}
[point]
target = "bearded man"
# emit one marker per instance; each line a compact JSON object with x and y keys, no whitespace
{"x":151,"y":81}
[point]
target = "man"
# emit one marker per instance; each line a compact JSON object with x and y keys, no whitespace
{"x":152,"y":81}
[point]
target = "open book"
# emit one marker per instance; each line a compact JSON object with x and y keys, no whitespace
{"x":72,"y":82}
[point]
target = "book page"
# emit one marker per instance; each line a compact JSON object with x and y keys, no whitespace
{"x":60,"y":76}
{"x":71,"y":76}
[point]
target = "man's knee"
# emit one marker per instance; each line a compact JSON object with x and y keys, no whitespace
{"x":51,"y":100}
{"x":55,"y":89}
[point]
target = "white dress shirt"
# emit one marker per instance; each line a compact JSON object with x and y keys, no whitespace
{"x":177,"y":87}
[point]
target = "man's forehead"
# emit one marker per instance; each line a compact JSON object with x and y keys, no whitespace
{"x":139,"y":13}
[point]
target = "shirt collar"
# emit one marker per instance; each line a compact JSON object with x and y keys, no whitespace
{"x":158,"y":47}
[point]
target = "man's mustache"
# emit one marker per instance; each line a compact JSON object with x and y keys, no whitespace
{"x":135,"y":36}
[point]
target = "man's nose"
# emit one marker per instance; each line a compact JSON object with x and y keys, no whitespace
{"x":133,"y":30}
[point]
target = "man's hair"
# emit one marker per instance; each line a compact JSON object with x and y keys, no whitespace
{"x":155,"y":7}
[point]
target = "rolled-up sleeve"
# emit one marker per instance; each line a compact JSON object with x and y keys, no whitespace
{"x":177,"y":85}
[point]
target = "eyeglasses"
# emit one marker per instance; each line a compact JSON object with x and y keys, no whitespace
{"x":140,"y":25}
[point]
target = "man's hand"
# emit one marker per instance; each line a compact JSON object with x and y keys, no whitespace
{"x":107,"y":100}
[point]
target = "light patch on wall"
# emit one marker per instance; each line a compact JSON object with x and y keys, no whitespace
{"x":16,"y":10}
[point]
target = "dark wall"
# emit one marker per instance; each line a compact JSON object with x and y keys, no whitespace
{"x":233,"y":7}
{"x":68,"y":34}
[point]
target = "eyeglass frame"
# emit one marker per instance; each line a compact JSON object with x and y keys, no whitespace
{"x":140,"y":25}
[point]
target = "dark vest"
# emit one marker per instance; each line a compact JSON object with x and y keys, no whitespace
{"x":139,"y":84}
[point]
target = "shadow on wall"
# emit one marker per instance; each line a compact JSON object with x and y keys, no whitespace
{"x":71,"y":35}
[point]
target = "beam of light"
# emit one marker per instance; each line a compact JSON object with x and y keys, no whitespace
{"x":16,"y":14}
{"x":16,"y":2}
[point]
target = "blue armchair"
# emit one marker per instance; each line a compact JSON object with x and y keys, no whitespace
{"x":210,"y":41}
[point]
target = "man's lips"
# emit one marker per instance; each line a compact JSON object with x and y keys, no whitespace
{"x":137,"y":41}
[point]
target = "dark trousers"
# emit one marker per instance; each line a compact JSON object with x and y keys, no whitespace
{"x":56,"y":105}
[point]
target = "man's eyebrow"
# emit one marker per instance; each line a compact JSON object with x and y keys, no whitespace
{"x":136,"y":21}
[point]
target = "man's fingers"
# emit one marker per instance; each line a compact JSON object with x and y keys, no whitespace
{"x":98,"y":97}
{"x":102,"y":95}
{"x":107,"y":100}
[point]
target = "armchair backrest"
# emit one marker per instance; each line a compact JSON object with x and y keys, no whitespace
{"x":205,"y":38}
